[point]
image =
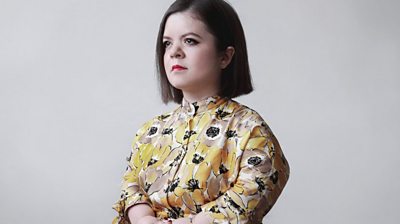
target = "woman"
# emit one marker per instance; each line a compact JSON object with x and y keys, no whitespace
{"x":212,"y":159}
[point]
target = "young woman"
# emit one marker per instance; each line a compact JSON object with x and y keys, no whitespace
{"x":212,"y":159}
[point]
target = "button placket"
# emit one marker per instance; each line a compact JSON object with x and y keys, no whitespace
{"x":189,"y":125}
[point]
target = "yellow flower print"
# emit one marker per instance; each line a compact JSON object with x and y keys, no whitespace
{"x":223,"y":159}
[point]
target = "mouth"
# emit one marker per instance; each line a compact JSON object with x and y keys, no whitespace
{"x":177,"y":68}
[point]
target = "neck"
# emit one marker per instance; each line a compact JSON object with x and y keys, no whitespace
{"x":197,"y":96}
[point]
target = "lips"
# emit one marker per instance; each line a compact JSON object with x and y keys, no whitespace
{"x":178,"y":68}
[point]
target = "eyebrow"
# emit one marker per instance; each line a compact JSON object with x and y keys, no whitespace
{"x":184,"y":35}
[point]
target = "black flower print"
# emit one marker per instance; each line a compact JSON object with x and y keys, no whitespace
{"x":124,"y":194}
{"x":152,"y":131}
{"x":264,"y":124}
{"x":176,"y":160}
{"x":197,"y":158}
{"x":163,"y":116}
{"x":175,"y":212}
{"x":129,"y":157}
{"x":274,"y":177}
{"x":167,"y":131}
{"x":194,"y":173}
{"x":222,"y":169}
{"x":221,"y":114}
{"x":193,"y":184}
{"x":231,"y":134}
{"x":147,"y":187}
{"x":152,"y":161}
{"x":188,"y":133}
{"x":196,"y":107}
{"x":214,"y":209}
{"x":198,"y":208}
{"x":233,"y":205}
{"x":254,"y":160}
{"x":212,"y":132}
{"x":260,"y":183}
{"x":171,"y":187}
{"x":272,"y":151}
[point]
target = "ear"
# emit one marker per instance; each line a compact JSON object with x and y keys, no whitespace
{"x":226,"y":57}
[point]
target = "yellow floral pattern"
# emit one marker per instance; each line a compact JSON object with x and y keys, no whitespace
{"x":214,"y":155}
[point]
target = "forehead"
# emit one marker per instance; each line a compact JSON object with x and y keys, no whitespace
{"x":184,"y":22}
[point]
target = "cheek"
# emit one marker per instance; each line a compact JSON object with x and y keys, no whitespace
{"x":165,"y":59}
{"x":207,"y":57}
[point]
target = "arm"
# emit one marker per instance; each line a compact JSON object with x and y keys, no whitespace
{"x":201,"y":218}
{"x":263,"y":173}
{"x":141,"y":213}
{"x":131,"y":194}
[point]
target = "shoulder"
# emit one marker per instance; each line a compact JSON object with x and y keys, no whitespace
{"x":247,"y":113}
{"x":249,"y":117}
{"x":154,"y":122}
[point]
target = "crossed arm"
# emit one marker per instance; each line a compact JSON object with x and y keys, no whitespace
{"x":263,"y":174}
{"x":143,"y":214}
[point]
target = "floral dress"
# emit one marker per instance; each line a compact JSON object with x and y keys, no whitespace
{"x":215,"y":156}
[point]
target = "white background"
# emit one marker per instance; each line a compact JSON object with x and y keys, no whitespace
{"x":77,"y":79}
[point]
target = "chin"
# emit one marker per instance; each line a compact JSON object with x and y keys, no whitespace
{"x":180,"y":86}
{"x":178,"y":83}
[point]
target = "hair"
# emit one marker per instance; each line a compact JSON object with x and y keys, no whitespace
{"x":224,"y":24}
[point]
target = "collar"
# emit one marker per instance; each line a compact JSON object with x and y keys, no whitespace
{"x":202,"y":105}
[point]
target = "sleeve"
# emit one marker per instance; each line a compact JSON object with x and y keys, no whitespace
{"x":263,"y":173}
{"x":130,"y":190}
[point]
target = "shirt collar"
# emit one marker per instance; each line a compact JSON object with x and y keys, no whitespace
{"x":202,"y":105}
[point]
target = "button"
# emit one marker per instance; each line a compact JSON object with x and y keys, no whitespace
{"x":192,"y":109}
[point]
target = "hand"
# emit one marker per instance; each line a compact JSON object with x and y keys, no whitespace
{"x":202,"y":218}
{"x":163,"y":222}
{"x":181,"y":221}
{"x":159,"y":222}
{"x":148,"y":220}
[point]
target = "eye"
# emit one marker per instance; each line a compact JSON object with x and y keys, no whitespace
{"x":191,"y":41}
{"x":166,"y":43}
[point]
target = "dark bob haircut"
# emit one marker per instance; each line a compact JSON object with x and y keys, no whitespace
{"x":223,"y":23}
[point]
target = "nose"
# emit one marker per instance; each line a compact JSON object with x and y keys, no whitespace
{"x":177,"y":52}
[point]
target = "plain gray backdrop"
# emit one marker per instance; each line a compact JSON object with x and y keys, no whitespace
{"x":77,"y":79}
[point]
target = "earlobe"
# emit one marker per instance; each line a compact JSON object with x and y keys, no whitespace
{"x":227,"y":57}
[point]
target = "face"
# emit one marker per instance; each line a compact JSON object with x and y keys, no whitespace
{"x":191,"y":60}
